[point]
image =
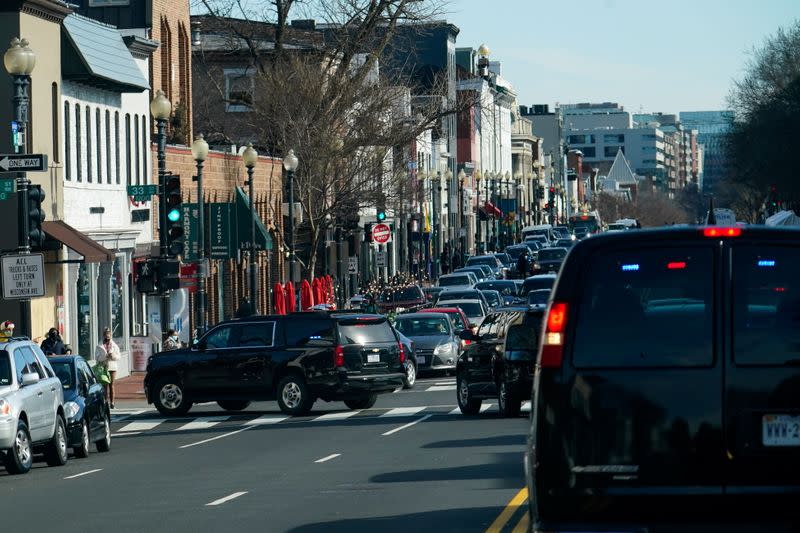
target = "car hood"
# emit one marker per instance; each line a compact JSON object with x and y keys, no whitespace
{"x":430,"y":342}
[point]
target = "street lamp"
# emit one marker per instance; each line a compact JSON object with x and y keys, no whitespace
{"x":290,"y":163}
{"x":462,"y":231}
{"x":483,"y":61}
{"x":478,"y":244}
{"x":19,"y":61}
{"x":250,"y":158}
{"x":161,"y":109}
{"x":200,"y":153}
{"x":435,"y":234}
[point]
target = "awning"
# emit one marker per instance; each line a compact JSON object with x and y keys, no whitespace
{"x":76,"y":241}
{"x":243,"y":221}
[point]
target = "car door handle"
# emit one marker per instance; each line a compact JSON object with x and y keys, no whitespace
{"x":40,"y":393}
{"x":52,"y":389}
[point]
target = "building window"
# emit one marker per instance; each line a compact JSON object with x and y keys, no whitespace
{"x":78,"y":148}
{"x":88,"y":145}
{"x":611,"y":151}
{"x":108,"y":146}
{"x":145,"y":152}
{"x":588,"y":151}
{"x":166,"y":58}
{"x":118,"y":297}
{"x":116,"y":144}
{"x":67,"y":143}
{"x":136,"y":143}
{"x":54,"y":100}
{"x":128,"y":174}
{"x":613,"y":138}
{"x":98,"y":133}
{"x":239,"y":89}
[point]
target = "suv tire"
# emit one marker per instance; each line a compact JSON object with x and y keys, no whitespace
{"x":467,"y":404}
{"x":19,"y":458}
{"x":233,"y":405}
{"x":294,"y":398}
{"x":508,"y":405}
{"x":411,"y":376}
{"x":104,"y":444}
{"x":365,"y":402}
{"x":55,"y":451}
{"x":170,"y":398}
{"x":82,"y":451}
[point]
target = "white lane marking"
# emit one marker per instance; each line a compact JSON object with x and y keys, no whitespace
{"x":441,"y":388}
{"x":526,"y":406}
{"x":456,"y":411}
{"x":142,"y":425}
{"x":335,"y":416}
{"x":266,"y":419}
{"x":445,"y":382}
{"x":228,"y":434}
{"x":406,"y":426}
{"x":84,"y":473}
{"x":128,"y":434}
{"x":202,"y":422}
{"x":485,"y":407}
{"x":402,"y":411}
{"x":328,"y":458}
{"x":226,"y":498}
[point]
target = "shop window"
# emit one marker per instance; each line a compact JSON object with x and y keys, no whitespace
{"x":78,"y":153}
{"x":84,"y":293}
{"x":88,"y":145}
{"x":128,"y":175}
{"x":67,"y":143}
{"x":108,"y":147}
{"x":116,"y":145}
{"x":136,"y":144}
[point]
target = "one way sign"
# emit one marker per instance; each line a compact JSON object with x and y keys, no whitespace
{"x":23,"y":162}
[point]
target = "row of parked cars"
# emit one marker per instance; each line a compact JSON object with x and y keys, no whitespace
{"x":48,"y":406}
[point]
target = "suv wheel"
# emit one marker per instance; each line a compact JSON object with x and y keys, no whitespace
{"x":233,"y":405}
{"x":467,"y":404}
{"x":293,"y":396}
{"x":82,"y":451}
{"x":507,"y":404}
{"x":104,"y":444}
{"x":55,"y":453}
{"x":19,"y":458}
{"x":411,"y":376}
{"x":364,"y":402}
{"x":170,"y":398}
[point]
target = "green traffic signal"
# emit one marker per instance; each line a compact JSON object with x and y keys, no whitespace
{"x":174,"y":215}
{"x":381,"y":216}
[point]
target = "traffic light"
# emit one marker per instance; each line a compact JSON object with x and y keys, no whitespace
{"x":168,"y":276}
{"x":145,"y":274}
{"x":368,"y":232}
{"x":552,"y":192}
{"x":35,"y":216}
{"x":174,"y":218}
{"x":381,"y":215}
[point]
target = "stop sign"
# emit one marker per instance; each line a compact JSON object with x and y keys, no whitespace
{"x":381,"y":233}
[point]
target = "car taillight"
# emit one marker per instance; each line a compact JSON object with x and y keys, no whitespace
{"x":553,"y":345}
{"x":402,"y":352}
{"x":338,"y":356}
{"x":722,"y":232}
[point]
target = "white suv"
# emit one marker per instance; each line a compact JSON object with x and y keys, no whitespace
{"x":31,"y":407}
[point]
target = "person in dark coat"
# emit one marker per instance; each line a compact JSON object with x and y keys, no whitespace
{"x":53,"y":345}
{"x":523,"y":266}
{"x":445,"y":260}
{"x":245,"y":309}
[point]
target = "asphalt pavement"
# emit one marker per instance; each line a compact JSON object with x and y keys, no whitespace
{"x":410,"y":463}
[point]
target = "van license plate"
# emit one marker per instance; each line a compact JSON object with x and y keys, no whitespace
{"x":420,"y":360}
{"x":780,"y":430}
{"x":373,"y":358}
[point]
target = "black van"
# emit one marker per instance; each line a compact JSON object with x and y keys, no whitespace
{"x":667,"y":386}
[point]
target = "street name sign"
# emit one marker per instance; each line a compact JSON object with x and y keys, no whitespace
{"x":142,"y":193}
{"x":381,"y":233}
{"x":23,"y":276}
{"x":23,"y":162}
{"x":7,"y":186}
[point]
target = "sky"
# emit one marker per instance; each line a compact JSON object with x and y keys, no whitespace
{"x":647,"y":55}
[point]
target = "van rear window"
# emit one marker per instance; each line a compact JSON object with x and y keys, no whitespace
{"x":766,"y":305}
{"x":650,"y":308}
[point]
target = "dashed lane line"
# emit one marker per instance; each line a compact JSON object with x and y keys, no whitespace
{"x":406,"y":426}
{"x":84,"y":473}
{"x":328,"y":458}
{"x":226,"y":499}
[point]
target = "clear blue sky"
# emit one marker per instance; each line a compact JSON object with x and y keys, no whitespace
{"x":678,"y":55}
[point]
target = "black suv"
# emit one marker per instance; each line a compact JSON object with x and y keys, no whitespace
{"x":667,"y":385}
{"x":499,"y":362}
{"x":295,"y":359}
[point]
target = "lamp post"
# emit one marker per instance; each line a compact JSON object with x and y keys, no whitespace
{"x":488,"y":177}
{"x":478,"y":244}
{"x":200,"y":153}
{"x":462,"y":225}
{"x":495,"y":196}
{"x":19,"y":61}
{"x":290,"y":163}
{"x":250,"y":158}
{"x":521,"y":191}
{"x":435,"y":234}
{"x":161,"y":109}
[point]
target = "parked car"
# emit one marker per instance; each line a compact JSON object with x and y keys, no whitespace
{"x":461,"y":280}
{"x":409,"y":297}
{"x":539,"y":281}
{"x":32,"y":417}
{"x":668,"y":378}
{"x":437,"y":343}
{"x":496,"y":266}
{"x":464,"y":294}
{"x":499,"y":362}
{"x":493,"y":298}
{"x":86,"y":408}
{"x":296,"y":359}
{"x":475,"y":310}
{"x":549,"y":260}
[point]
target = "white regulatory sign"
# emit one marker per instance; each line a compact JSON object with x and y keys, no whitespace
{"x":23,"y":276}
{"x":352,"y":265}
{"x":380,"y":259}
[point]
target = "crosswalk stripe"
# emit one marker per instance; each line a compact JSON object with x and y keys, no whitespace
{"x":440,"y":388}
{"x":456,"y":411}
{"x":402,"y":411}
{"x":341,"y":415}
{"x":264,"y":420}
{"x":526,"y":406}
{"x":142,"y":425}
{"x":445,"y":382}
{"x":202,"y":422}
{"x":485,"y":407}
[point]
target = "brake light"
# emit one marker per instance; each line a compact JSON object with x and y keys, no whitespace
{"x":553,"y":345}
{"x":722,"y":232}
{"x":338,"y":356}
{"x":402,"y":352}
{"x":676,"y":265}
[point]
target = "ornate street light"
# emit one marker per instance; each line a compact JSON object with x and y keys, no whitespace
{"x":290,"y":163}
{"x":199,"y":154}
{"x":250,"y":159}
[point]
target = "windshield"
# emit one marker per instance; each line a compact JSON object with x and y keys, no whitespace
{"x":505,"y":288}
{"x":552,"y":254}
{"x":538,"y":296}
{"x":492,"y":297}
{"x":5,"y":369}
{"x":401,"y":295}
{"x":422,"y":326}
{"x":449,"y":281}
{"x":515,"y":252}
{"x":459,"y":295}
{"x":471,"y":309}
{"x":544,"y":282}
{"x":63,"y":371}
{"x":504,"y":258}
{"x":486,"y":260}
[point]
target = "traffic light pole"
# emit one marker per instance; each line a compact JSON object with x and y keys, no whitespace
{"x":161,"y":155}
{"x":21,"y":101}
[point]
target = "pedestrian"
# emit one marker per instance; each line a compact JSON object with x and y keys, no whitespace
{"x":523,"y":266}
{"x":456,"y":262}
{"x":108,"y":355}
{"x":445,"y":259}
{"x":245,"y":309}
{"x":6,"y":331}
{"x":172,"y":342}
{"x":53,"y":345}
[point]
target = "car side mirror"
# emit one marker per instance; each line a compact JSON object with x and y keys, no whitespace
{"x":466,"y":335}
{"x":30,"y":378}
{"x":200,"y":346}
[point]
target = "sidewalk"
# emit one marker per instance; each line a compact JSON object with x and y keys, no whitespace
{"x":130,"y":387}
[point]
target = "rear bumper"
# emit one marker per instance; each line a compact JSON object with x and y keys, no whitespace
{"x":350,"y":385}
